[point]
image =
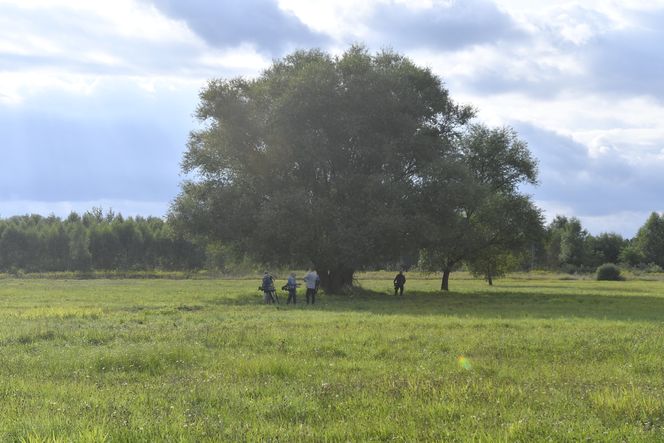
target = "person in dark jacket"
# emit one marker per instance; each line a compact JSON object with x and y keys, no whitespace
{"x":291,"y":286}
{"x":267,"y":286}
{"x":399,"y":281}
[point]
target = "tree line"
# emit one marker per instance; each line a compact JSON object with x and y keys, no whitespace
{"x":111,"y":242}
{"x":568,"y":247}
{"x":94,"y":241}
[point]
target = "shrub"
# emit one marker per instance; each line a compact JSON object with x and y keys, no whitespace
{"x":568,"y":268}
{"x":609,"y":271}
{"x":653,"y":268}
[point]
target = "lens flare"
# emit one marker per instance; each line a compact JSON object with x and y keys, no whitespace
{"x":464,"y":363}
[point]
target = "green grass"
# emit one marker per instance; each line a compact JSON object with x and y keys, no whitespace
{"x":203,"y":360}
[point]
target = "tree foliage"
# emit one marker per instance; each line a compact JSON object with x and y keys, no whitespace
{"x":568,"y":245}
{"x":474,"y":209}
{"x":606,"y":248}
{"x":318,"y":160}
{"x":94,"y":241}
{"x":649,"y":240}
{"x":570,"y":248}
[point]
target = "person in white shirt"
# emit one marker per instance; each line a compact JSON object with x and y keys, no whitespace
{"x":312,"y":280}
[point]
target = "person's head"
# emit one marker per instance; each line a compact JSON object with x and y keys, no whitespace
{"x":400,"y":272}
{"x":292,"y":274}
{"x":266,"y":273}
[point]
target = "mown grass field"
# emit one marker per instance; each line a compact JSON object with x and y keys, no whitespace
{"x":203,"y":360}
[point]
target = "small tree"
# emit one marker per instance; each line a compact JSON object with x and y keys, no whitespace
{"x":631,"y":255}
{"x":493,"y":263}
{"x":649,"y":240}
{"x":471,"y":205}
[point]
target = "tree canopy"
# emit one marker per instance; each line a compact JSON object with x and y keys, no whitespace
{"x":317,"y":160}
{"x":476,"y":214}
{"x":649,"y":240}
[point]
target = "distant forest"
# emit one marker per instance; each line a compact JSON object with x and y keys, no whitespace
{"x":111,"y":242}
{"x":568,"y":247}
{"x":94,"y":241}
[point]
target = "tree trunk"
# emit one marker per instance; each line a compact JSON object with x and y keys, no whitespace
{"x":445,"y":283}
{"x":489,"y":279}
{"x":334,"y":280}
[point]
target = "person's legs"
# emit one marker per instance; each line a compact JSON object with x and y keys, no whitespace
{"x":401,"y":290}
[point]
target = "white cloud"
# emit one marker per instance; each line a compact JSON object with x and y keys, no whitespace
{"x":633,"y":127}
{"x":125,"y":18}
{"x":626,"y":223}
{"x":337,"y":18}
{"x":245,"y":60}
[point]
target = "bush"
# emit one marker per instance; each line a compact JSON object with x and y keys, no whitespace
{"x":609,"y":271}
{"x":653,"y":268}
{"x":568,"y":268}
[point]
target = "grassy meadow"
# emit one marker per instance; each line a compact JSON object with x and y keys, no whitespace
{"x":539,"y":359}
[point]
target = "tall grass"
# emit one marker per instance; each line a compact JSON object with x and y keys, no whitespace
{"x":203,"y":360}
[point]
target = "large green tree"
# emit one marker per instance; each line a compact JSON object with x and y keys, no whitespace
{"x":319,"y":160}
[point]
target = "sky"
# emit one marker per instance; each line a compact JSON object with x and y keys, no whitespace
{"x":97,"y":98}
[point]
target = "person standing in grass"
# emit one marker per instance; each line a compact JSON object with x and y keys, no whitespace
{"x":312,"y":280}
{"x":267,"y":286}
{"x":399,"y":282}
{"x":292,"y":288}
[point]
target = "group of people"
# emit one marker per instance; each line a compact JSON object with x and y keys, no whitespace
{"x":311,"y":281}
